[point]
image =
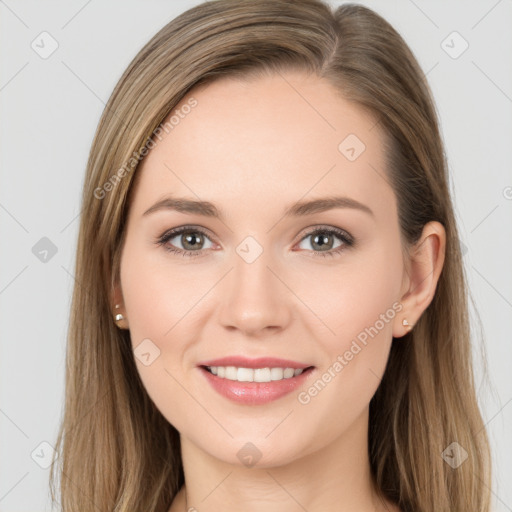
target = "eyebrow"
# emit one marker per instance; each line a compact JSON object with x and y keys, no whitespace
{"x":298,"y":209}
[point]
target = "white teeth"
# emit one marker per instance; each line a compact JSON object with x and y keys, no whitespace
{"x":288,"y":373}
{"x":262,"y":375}
{"x":242,"y":375}
{"x":254,"y":375}
{"x":276,"y":373}
{"x":231,"y":373}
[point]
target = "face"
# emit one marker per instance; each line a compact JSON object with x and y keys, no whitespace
{"x":318,"y":286}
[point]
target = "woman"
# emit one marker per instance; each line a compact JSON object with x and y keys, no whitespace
{"x":271,"y":309}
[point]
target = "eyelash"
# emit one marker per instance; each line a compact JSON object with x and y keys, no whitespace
{"x":347,"y":240}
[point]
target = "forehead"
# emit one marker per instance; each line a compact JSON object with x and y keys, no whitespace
{"x":266,"y":141}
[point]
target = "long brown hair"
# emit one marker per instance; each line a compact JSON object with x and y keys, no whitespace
{"x":115,"y":449}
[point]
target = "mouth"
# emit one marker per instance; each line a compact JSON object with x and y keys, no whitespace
{"x":256,"y":386}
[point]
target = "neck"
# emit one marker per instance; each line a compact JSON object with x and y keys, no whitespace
{"x":335,"y":478}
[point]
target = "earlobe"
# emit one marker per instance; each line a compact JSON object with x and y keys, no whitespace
{"x":426,"y":260}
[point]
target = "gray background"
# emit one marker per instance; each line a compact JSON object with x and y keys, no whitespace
{"x":49,"y":111}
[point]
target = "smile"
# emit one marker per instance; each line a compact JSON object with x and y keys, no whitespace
{"x":255,"y":386}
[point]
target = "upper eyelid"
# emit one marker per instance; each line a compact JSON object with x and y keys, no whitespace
{"x":172,"y":232}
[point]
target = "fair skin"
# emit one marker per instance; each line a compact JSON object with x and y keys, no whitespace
{"x":253,"y":149}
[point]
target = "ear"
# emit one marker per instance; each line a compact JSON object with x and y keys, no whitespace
{"x":117,"y":305}
{"x":423,"y":267}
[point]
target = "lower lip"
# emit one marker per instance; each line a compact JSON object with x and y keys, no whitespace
{"x":255,"y":393}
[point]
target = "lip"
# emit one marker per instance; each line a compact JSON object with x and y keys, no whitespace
{"x":255,"y":393}
{"x":260,"y":362}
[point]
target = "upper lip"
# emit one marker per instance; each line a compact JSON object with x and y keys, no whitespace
{"x":260,"y":362}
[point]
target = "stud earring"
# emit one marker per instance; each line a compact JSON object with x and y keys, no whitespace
{"x":118,"y":317}
{"x":405,"y":323}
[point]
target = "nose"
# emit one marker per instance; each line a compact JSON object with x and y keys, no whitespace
{"x":254,"y":299}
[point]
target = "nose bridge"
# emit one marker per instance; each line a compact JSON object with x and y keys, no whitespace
{"x":253,"y":298}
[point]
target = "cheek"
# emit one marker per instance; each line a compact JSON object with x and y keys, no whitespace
{"x":157,"y":298}
{"x":359,"y":305}
{"x":356,"y":355}
{"x":157,"y":301}
{"x":353,"y":296}
{"x":157,"y":293}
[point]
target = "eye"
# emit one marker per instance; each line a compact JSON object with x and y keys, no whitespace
{"x":323,"y":241}
{"x":190,"y":239}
